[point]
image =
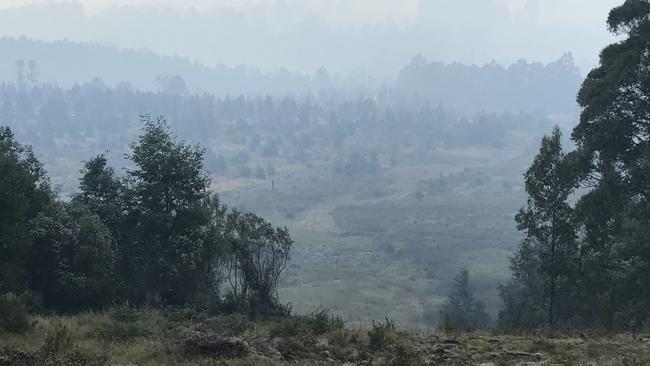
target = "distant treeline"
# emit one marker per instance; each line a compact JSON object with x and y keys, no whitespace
{"x":92,"y":118}
{"x":523,"y":86}
{"x":468,"y":89}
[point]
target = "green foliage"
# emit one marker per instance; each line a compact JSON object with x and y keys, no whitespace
{"x":157,"y":236}
{"x":72,"y":261}
{"x":101,"y":192}
{"x":614,"y":139}
{"x":592,"y":260}
{"x":14,"y":316}
{"x":24,"y":191}
{"x":258,"y":254}
{"x":523,"y":297}
{"x":168,"y":252}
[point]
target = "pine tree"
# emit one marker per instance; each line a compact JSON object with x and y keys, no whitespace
{"x":462,"y":311}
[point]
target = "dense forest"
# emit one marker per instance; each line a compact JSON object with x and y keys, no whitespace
{"x":282,"y":227}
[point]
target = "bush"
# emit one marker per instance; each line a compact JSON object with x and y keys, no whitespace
{"x":381,"y":334}
{"x":58,"y":341}
{"x":405,"y":354}
{"x":124,"y":323}
{"x":290,"y":327}
{"x":446,"y":324}
{"x":14,"y":316}
{"x":121,"y":331}
{"x":317,"y":323}
{"x":58,"y":350}
{"x":321,"y":322}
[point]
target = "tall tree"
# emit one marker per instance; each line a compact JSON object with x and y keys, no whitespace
{"x":168,"y":191}
{"x":547,"y":218}
{"x":614,"y":136}
{"x":24,"y":191}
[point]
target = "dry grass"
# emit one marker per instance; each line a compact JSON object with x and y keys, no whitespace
{"x":151,"y":337}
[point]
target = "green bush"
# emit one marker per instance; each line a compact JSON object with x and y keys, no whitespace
{"x":14,"y":316}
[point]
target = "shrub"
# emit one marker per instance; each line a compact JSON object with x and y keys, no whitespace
{"x":381,"y":334}
{"x":183,"y":314}
{"x":289,"y":327}
{"x":317,"y":323}
{"x":446,"y":324}
{"x":230,"y":325}
{"x":124,"y":323}
{"x":405,"y":354}
{"x":121,"y":331}
{"x":58,"y":341}
{"x":321,"y":322}
{"x":13,"y":314}
{"x":58,"y":350}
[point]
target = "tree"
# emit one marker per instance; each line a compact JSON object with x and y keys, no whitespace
{"x":72,"y":260}
{"x":24,"y":191}
{"x":614,"y":137}
{"x":168,"y":176}
{"x":523,"y":297}
{"x":259,"y":255}
{"x":168,"y":191}
{"x":462,"y":311}
{"x":547,"y":218}
{"x":101,"y":191}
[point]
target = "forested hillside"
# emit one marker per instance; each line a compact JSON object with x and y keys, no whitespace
{"x":358,"y":181}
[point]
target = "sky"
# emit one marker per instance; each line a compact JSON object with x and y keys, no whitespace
{"x":376,"y":37}
{"x":336,"y":11}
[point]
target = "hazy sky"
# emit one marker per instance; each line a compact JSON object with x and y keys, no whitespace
{"x":339,"y":11}
{"x":376,"y":36}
